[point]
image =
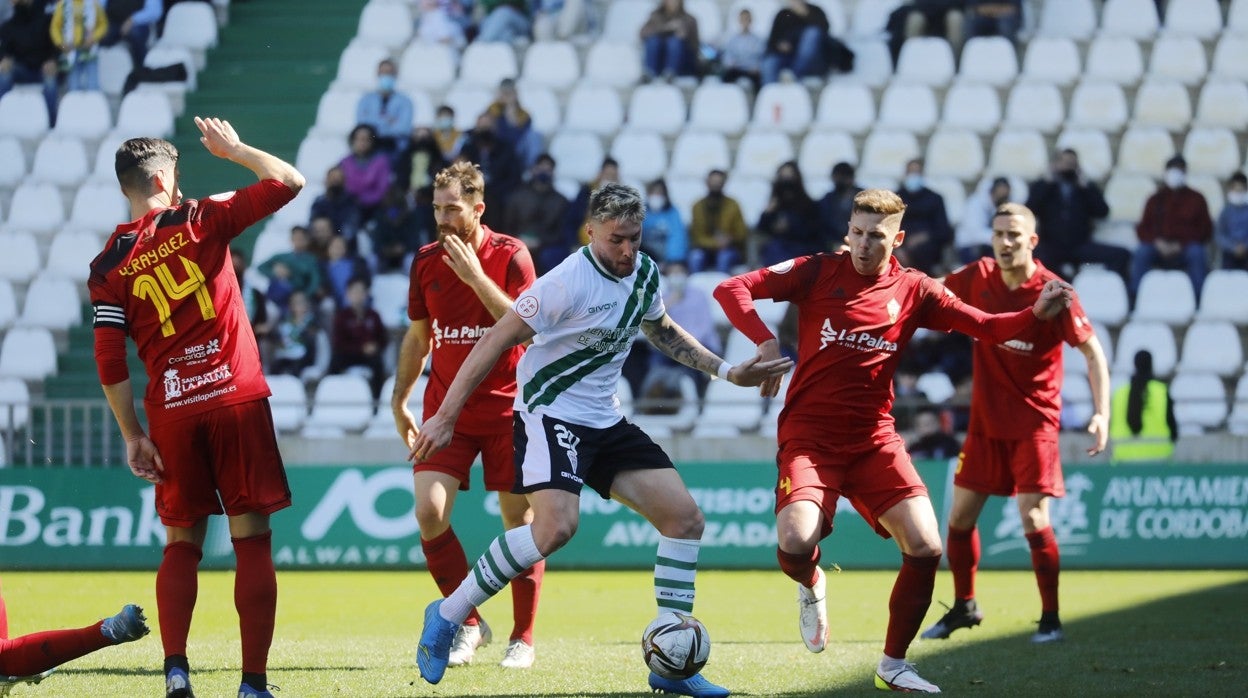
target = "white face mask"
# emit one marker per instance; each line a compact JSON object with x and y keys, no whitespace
{"x":1237,"y":197}
{"x":1175,"y":178}
{"x":913,"y":182}
{"x":656,"y":202}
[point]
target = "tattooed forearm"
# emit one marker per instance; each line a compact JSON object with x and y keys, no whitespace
{"x":674,"y":341}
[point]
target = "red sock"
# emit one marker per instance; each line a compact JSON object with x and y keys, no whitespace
{"x":177,"y":586}
{"x":525,"y":591}
{"x":1047,"y":562}
{"x":962,"y":551}
{"x":255,"y":598}
{"x":912,"y":594}
{"x":444,"y":556}
{"x":37,"y":652}
{"x":799,"y":566}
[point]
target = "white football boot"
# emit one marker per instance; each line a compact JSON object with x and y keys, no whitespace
{"x":905,"y":679}
{"x":519,"y":655}
{"x":812,"y":617}
{"x":467,"y":639}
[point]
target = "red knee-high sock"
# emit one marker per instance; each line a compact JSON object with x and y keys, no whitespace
{"x":963,"y":553}
{"x":1047,"y":562}
{"x":799,"y":566}
{"x":37,"y":652}
{"x":177,"y":586}
{"x":447,"y":563}
{"x":525,"y":591}
{"x":912,"y":594}
{"x":255,"y":598}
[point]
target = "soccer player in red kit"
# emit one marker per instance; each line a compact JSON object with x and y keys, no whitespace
{"x":1011,"y":443}
{"x":460,"y":285}
{"x":856,"y":311}
{"x":166,"y":279}
{"x":30,"y":658}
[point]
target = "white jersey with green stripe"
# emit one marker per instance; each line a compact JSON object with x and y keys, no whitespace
{"x":586,"y":319}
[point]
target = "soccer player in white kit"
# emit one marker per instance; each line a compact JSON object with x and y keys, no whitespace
{"x":582,"y":318}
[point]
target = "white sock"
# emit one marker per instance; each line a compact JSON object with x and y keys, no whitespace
{"x":675,"y":566}
{"x":508,"y":556}
{"x":888,"y":663}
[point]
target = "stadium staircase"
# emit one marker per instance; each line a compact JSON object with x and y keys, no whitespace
{"x":272,"y":64}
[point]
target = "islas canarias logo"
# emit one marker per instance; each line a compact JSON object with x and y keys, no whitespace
{"x":465,"y":334}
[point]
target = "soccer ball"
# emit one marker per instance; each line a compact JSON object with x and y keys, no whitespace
{"x":675,"y":645}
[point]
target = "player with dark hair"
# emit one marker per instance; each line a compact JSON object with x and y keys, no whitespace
{"x":1011,"y":445}
{"x":460,"y":286}
{"x":166,"y":280}
{"x":856,"y":311}
{"x":30,"y":658}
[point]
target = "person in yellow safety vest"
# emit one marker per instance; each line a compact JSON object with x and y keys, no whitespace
{"x":1142,"y":426}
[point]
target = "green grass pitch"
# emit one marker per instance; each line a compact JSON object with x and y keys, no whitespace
{"x":353,"y":634}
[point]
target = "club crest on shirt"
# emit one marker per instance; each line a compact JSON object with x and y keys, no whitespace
{"x":894,"y":309}
{"x":526,"y":306}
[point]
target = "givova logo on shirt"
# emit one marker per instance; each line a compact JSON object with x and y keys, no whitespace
{"x":862,"y":341}
{"x":464,"y":334}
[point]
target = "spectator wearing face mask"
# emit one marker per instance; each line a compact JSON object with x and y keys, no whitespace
{"x":415,"y":166}
{"x":791,"y":220}
{"x":836,"y":206}
{"x":925,"y":221}
{"x":442,"y":22}
{"x":337,"y":205}
{"x":1174,"y":229}
{"x":535,"y":212}
{"x":1232,"y":230}
{"x":445,"y":134}
{"x":691,"y":309}
{"x":718,"y":232}
{"x":389,"y":112}
{"x":366,"y":171}
{"x":1067,"y":204}
{"x":974,"y":235}
{"x":499,"y":166}
{"x":663,"y":233}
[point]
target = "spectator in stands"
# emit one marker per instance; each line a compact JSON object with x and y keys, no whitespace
{"x":558,"y":19}
{"x":296,"y":270}
{"x":444,"y":132}
{"x":925,"y":221}
{"x":926,"y":18}
{"x":320,"y":232}
{"x":397,"y":231}
{"x":499,"y":165}
{"x":77,"y":28}
{"x":685,"y":304}
{"x":993,"y":18}
{"x":419,"y":162}
{"x":931,"y":440}
{"x":663,"y":233}
{"x":132,"y":21}
{"x":670,"y":42}
{"x":294,"y":339}
{"x":790,"y":223}
{"x":535,"y":214}
{"x":359,"y":337}
{"x":1141,"y":422}
{"x":442,"y":22}
{"x":1066,"y":204}
{"x":973,"y":238}
{"x":1233,"y":224}
{"x":504,"y":20}
{"x":717,"y":233}
{"x":262,"y":313}
{"x":798,"y":43}
{"x":742,"y":56}
{"x":366,"y":171}
{"x":27,"y":54}
{"x":389,"y":112}
{"x":513,"y":124}
{"x":578,"y":210}
{"x":1174,"y":230}
{"x":836,"y":206}
{"x":337,"y":205}
{"x":339,"y":268}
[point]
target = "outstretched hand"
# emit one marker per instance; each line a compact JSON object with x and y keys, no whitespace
{"x":1056,"y":297}
{"x":757,"y":371}
{"x":218,"y":136}
{"x":435,"y":434}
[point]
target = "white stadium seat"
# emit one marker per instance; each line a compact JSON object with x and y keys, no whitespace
{"x":21,"y":260}
{"x":1211,"y":151}
{"x":594,"y":110}
{"x":783,"y":106}
{"x":1222,"y":296}
{"x":37,"y":208}
{"x":71,"y":253}
{"x":726,"y":406}
{"x":1096,"y":159}
{"x":1210,"y":187}
{"x":1165,"y":295}
{"x":820,"y":150}
{"x":720,"y":108}
{"x":1237,"y":17}
{"x":1212,"y":347}
{"x":60,"y":160}
{"x":706,"y":282}
{"x":1073,"y":361}
{"x":1180,"y":58}
{"x":1156,"y":337}
{"x":386,"y":24}
{"x":84,"y":115}
{"x":1052,"y":59}
{"x":625,"y":18}
{"x":190,"y":25}
{"x":422,"y":66}
{"x":28,"y":353}
{"x":988,"y":59}
{"x":1201,"y":19}
{"x":936,"y":386}
{"x":1238,"y":422}
{"x":751,"y":193}
{"x":174,"y":90}
{"x":954,"y":153}
{"x":468,"y":102}
{"x":1134,"y":18}
{"x":485,"y":64}
{"x":657,"y":107}
{"x":926,"y":60}
{"x":317,"y":154}
{"x":976,"y":107}
{"x":1222,"y":103}
{"x":1103,"y":295}
{"x":1199,"y":400}
{"x":289,"y":402}
{"x":105,"y":167}
{"x":684,"y":192}
{"x":696,"y":152}
{"x":1035,"y":105}
{"x":335,"y":114}
{"x":759,"y":153}
{"x":908,"y":107}
{"x":342,"y":402}
{"x":552,"y":64}
{"x":389,"y":292}
{"x":1098,"y":105}
{"x":641,"y":155}
{"x":357,"y":67}
{"x":1019,"y":152}
{"x":885,"y":153}
{"x":870,"y":18}
{"x":1115,"y":59}
{"x":1067,"y":19}
{"x":23,"y":113}
{"x":542,"y":105}
{"x":12,"y":162}
{"x":14,"y":404}
{"x":578,"y":154}
{"x":115,"y":66}
{"x":612,"y":63}
{"x":1126,"y":194}
{"x":1230,"y":58}
{"x":144,"y":113}
{"x":1163,"y":103}
{"x":8,"y":305}
{"x":710,"y":17}
{"x":1144,"y":150}
{"x":846,"y":107}
{"x":664,"y":425}
{"x":52,"y":302}
{"x":873,"y":64}
{"x":763,"y":11}
{"x":954,"y":194}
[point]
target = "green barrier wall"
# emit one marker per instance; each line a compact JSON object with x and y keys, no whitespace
{"x":1176,"y":516}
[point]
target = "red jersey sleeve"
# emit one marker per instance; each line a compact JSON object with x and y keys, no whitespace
{"x":944,"y":311}
{"x":959,"y":281}
{"x":232,"y":212}
{"x":787,"y":281}
{"x":110,"y":332}
{"x":520,"y":273}
{"x":1076,"y":328}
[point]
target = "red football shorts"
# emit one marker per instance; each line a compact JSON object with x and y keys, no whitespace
{"x":456,"y":459}
{"x":230,"y":451}
{"x":872,"y":476}
{"x":1006,"y":467}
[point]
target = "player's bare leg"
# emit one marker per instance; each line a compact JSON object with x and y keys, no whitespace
{"x":798,"y":527}
{"x":1033,"y":509}
{"x":177,"y":586}
{"x":962,"y":551}
{"x":525,"y":589}
{"x":912,"y":523}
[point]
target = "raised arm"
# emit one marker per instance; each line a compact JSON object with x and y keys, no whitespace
{"x":672,"y":339}
{"x":463,"y":260}
{"x":220,"y":139}
{"x":1098,"y":381}
{"x":967,"y":319}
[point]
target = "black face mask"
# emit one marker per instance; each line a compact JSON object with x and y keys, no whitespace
{"x":1068,"y":175}
{"x":715,"y":194}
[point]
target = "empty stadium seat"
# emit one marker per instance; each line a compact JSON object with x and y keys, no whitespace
{"x":37,"y":208}
{"x":12,"y":162}
{"x":1222,"y":103}
{"x":657,"y":107}
{"x":1211,"y":151}
{"x":317,"y":154}
{"x":664,"y":425}
{"x":60,"y":160}
{"x":720,"y":108}
{"x":1035,"y":105}
{"x":726,"y":405}
{"x":21,"y":260}
{"x":1073,"y":362}
{"x":23,"y":113}
{"x":925,"y":60}
{"x":14,"y":404}
{"x":485,"y":64}
{"x":341,"y":402}
{"x":695,"y":153}
{"x":763,"y":11}
{"x":1098,"y":104}
{"x":289,"y":402}
{"x":1156,"y":337}
{"x":71,"y":253}
{"x":1115,"y":59}
{"x":190,"y":25}
{"x":936,"y":386}
{"x":1179,"y":58}
{"x":1136,"y":19}
{"x":988,"y":59}
{"x":1126,"y":194}
{"x":1144,"y":150}
{"x":1052,"y":59}
{"x":684,"y":192}
{"x":390,"y":294}
{"x":759,"y":153}
{"x":706,"y":282}
{"x":144,"y":113}
{"x":845,"y":106}
{"x":105,"y":167}
{"x":1230,"y":58}
{"x":552,"y":64}
{"x":1103,"y":295}
{"x":84,"y":115}
{"x":1199,"y":401}
{"x":751,"y":193}
{"x":28,"y":353}
{"x":1165,"y":295}
{"x":710,"y":17}
{"x":641,"y":155}
{"x":1162,"y":103}
{"x":52,"y":302}
{"x":542,"y":105}
{"x":386,"y":24}
{"x":613,"y":63}
{"x":594,"y":109}
{"x":885,"y":153}
{"x":422,"y":66}
{"x":1068,"y":19}
{"x":578,"y":154}
{"x":1238,"y":422}
{"x":820,"y":150}
{"x":1212,"y":347}
{"x":1222,"y":296}
{"x":1076,"y":400}
{"x":954,"y":153}
{"x":1095,"y":157}
{"x":908,"y":107}
{"x":625,"y":18}
{"x":335,"y":114}
{"x":1019,"y":152}
{"x":357,"y":67}
{"x":873,"y":64}
{"x":1201,"y":19}
{"x":783,"y":106}
{"x":8,"y":304}
{"x":869,"y":19}
{"x":1211,"y":188}
{"x":174,"y":90}
{"x":975,"y":107}
{"x":115,"y":66}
